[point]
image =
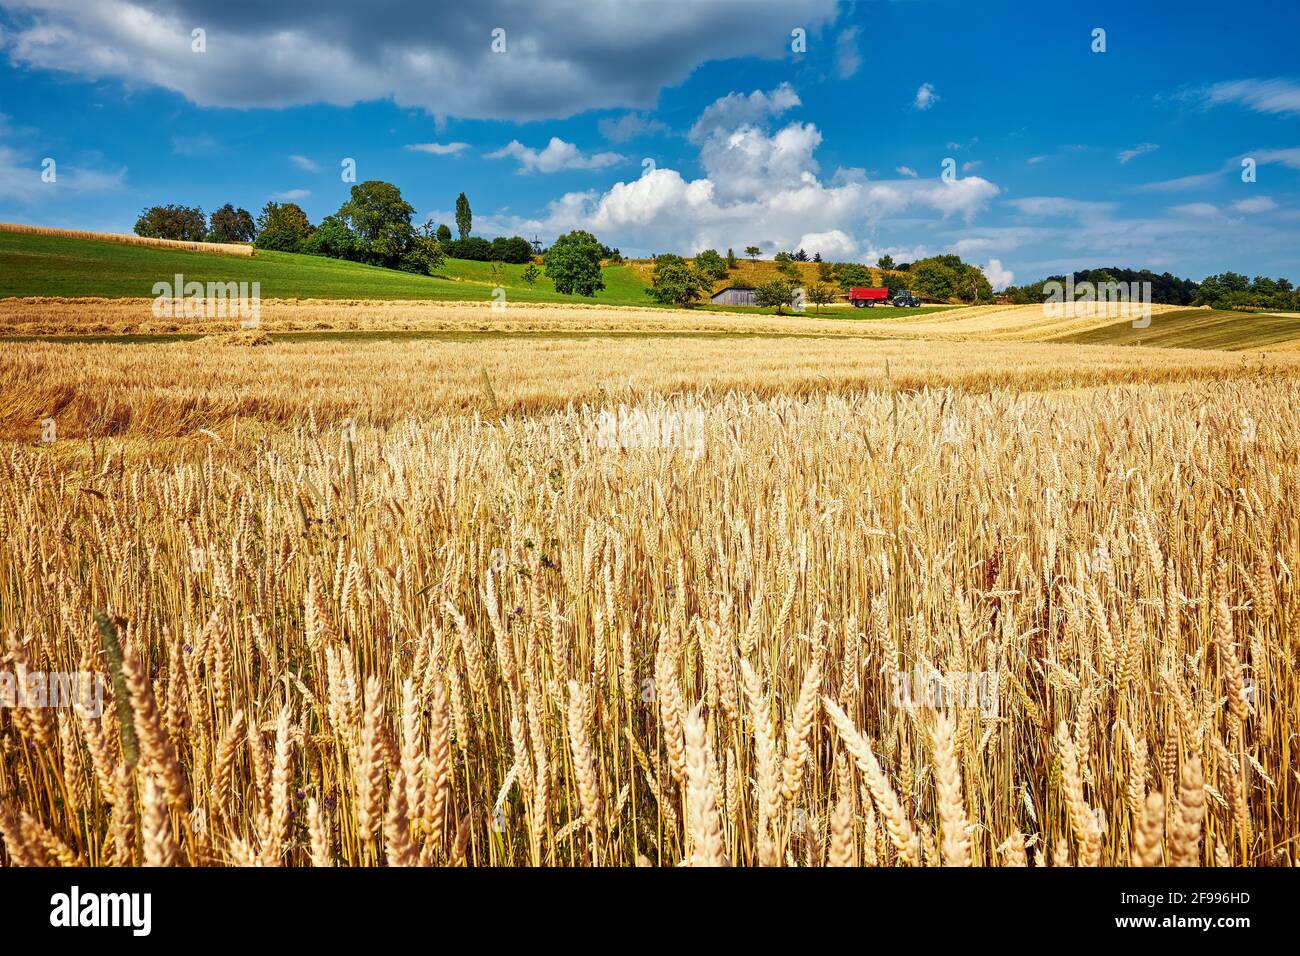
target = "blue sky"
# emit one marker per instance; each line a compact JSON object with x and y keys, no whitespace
{"x":672,"y":126}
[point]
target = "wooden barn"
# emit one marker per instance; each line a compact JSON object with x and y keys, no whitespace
{"x":731,"y":295}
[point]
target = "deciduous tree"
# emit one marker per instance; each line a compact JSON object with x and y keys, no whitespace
{"x":184,"y":223}
{"x":819,"y":294}
{"x":229,"y":224}
{"x":675,"y":282}
{"x":573,"y":264}
{"x":776,"y":294}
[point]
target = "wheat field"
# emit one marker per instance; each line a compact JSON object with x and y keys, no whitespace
{"x":66,"y":316}
{"x":42,"y":316}
{"x":1026,"y":323}
{"x":144,"y":393}
{"x":378,"y":605}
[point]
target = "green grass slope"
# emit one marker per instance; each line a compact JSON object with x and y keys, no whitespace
{"x":1197,"y":329}
{"x":32,"y":265}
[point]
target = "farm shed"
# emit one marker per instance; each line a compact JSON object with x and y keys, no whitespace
{"x":734,"y":296}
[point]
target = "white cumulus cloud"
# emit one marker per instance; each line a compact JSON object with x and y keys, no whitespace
{"x":964,"y":197}
{"x":761,"y":185}
{"x":998,"y":277}
{"x":835,"y":245}
{"x":750,"y":162}
{"x":555,"y":157}
{"x":737,"y":110}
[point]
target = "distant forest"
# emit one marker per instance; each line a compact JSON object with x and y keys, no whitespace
{"x":1229,"y":290}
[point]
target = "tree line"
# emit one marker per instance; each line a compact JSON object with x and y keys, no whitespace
{"x":1231,"y":290}
{"x":1228,"y":290}
{"x":375,"y":226}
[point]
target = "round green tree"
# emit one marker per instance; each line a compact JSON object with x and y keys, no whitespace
{"x":573,"y":264}
{"x":675,"y":282}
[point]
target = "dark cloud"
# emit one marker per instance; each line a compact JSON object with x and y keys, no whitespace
{"x":562,"y":56}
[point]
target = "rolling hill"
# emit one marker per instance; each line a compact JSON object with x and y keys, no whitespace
{"x":69,"y":267}
{"x":1199,"y":329}
{"x":1171,"y":326}
{"x":43,"y":265}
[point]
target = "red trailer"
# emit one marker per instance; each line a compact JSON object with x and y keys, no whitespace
{"x":867,"y":297}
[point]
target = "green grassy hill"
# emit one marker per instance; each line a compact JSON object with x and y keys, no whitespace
{"x":1197,"y":329}
{"x":33,"y":265}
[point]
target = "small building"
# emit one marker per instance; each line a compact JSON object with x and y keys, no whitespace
{"x":732,"y":295}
